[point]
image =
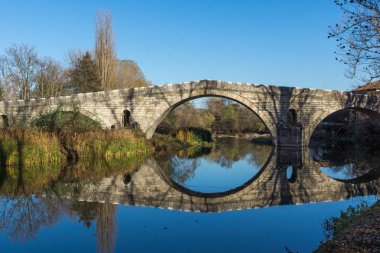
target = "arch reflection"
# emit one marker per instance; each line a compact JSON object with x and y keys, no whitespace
{"x":149,"y":186}
{"x":229,"y":165}
{"x":348,"y":163}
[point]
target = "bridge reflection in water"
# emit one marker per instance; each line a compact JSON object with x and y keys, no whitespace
{"x":290,"y":176}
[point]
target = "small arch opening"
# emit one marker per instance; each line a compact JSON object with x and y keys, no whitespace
{"x":127,"y":178}
{"x":290,"y":132}
{"x":291,"y":119}
{"x":127,"y":122}
{"x":347,"y":127}
{"x":4,"y":123}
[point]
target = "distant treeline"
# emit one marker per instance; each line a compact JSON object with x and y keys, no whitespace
{"x":216,"y":115}
{"x":25,"y":75}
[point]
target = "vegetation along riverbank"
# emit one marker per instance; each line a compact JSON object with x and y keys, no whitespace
{"x":355,"y":230}
{"x":31,"y":158}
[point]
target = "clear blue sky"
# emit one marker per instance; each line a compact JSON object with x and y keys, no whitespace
{"x":270,"y":42}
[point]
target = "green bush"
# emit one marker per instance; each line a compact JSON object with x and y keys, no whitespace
{"x":63,"y":121}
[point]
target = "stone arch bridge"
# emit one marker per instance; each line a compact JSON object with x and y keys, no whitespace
{"x":147,"y":106}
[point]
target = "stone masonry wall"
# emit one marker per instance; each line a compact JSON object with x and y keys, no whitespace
{"x":149,"y":105}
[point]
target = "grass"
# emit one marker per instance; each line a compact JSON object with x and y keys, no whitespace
{"x":34,"y":147}
{"x":109,"y":145}
{"x":181,"y":140}
{"x":30,"y":159}
{"x":26,"y":147}
{"x":64,"y":145}
{"x":194,"y":136}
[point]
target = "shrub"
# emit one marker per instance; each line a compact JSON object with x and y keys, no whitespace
{"x":65,"y":121}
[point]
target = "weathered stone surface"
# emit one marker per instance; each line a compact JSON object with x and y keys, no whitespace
{"x":149,"y":105}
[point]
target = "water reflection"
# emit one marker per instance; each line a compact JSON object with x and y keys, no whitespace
{"x":348,"y":163}
{"x":283,"y":177}
{"x":289,"y":176}
{"x":230,"y":164}
{"x":23,"y":216}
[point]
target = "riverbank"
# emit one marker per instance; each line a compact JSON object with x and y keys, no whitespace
{"x":168,"y":143}
{"x":362,"y":235}
{"x":31,"y":159}
{"x":254,"y":137}
{"x":33,"y":147}
{"x":23,"y":147}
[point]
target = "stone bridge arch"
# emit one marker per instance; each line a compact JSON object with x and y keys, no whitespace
{"x":149,"y":105}
{"x":315,"y":122}
{"x":173,"y":103}
{"x":66,"y":108}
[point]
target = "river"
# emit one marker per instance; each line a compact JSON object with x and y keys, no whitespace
{"x":237,"y":196}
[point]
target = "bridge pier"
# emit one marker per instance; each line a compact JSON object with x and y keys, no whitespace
{"x":290,"y":133}
{"x":290,"y":137}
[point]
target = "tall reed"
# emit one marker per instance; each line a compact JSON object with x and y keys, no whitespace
{"x":21,"y":147}
{"x":110,"y":144}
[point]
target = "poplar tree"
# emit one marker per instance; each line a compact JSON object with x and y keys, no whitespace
{"x":104,"y":50}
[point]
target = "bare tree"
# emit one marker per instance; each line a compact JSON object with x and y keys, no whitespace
{"x":104,"y":50}
{"x":73,"y":56}
{"x":50,"y":79}
{"x":20,"y":65}
{"x":4,"y":79}
{"x":129,"y":75}
{"x":358,"y":38}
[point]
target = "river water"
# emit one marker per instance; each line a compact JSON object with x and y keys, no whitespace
{"x":234,"y":197}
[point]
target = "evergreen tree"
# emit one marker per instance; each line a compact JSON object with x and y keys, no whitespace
{"x":84,"y":75}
